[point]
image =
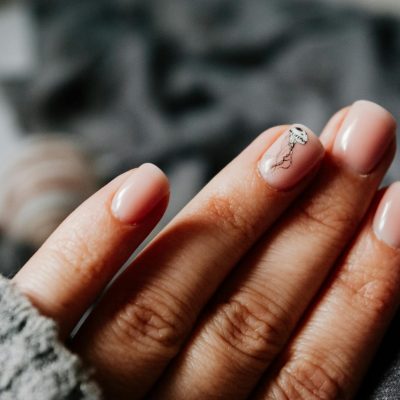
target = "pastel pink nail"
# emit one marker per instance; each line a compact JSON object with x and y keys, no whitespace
{"x":387,"y":217}
{"x":291,"y":157}
{"x":139,"y":194}
{"x":364,"y":136}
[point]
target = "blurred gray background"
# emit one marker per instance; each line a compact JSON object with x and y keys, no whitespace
{"x":109,"y":84}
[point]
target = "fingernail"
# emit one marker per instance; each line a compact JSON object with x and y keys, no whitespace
{"x":291,"y":157}
{"x":386,"y":222}
{"x":364,"y":136}
{"x":139,"y":194}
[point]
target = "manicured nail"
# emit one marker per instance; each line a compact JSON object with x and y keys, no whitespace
{"x":364,"y":136}
{"x":387,"y":218}
{"x":139,"y":194}
{"x":291,"y":157}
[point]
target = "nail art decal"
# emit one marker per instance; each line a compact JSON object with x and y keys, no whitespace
{"x":288,"y":160}
{"x":296,"y":135}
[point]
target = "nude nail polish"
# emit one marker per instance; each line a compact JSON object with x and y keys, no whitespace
{"x":364,"y":136}
{"x":291,"y":157}
{"x":139,"y":194}
{"x":386,"y":222}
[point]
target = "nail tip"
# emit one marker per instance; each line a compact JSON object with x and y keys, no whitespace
{"x":152,"y":167}
{"x":157,"y":172}
{"x":302,"y":126}
{"x":314,"y":139}
{"x":364,"y":136}
{"x":386,"y":222}
{"x":373,"y":105}
{"x":139,"y":194}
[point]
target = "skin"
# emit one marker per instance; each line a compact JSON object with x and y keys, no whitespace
{"x":207,"y":309}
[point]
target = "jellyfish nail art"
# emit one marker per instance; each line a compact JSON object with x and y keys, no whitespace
{"x":296,"y":135}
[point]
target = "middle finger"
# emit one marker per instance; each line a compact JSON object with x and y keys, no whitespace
{"x":142,"y":321}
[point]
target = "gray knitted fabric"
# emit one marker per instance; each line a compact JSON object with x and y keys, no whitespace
{"x":34,"y":363}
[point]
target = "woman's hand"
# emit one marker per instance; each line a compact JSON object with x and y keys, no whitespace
{"x":277,"y":280}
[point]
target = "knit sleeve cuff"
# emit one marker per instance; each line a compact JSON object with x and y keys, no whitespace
{"x":34,"y":363}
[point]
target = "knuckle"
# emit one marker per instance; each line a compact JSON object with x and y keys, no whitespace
{"x":311,"y":379}
{"x":230,"y":215}
{"x":252,"y":330}
{"x":373,"y":295}
{"x":74,"y":252}
{"x":153,"y":322}
{"x":326,"y":216}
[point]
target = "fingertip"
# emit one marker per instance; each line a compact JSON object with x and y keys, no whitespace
{"x":386,"y":223}
{"x":139,"y":194}
{"x":363,"y":137}
{"x":328,"y":134}
{"x":377,"y":108}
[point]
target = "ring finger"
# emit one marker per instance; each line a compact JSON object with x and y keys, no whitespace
{"x":330,"y":354}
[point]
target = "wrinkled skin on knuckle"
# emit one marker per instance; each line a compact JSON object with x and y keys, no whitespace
{"x":325,"y":218}
{"x":153,"y":324}
{"x":336,"y":205}
{"x":231,"y":216}
{"x":367,"y":294}
{"x":73,"y":251}
{"x":253,"y":331}
{"x":307,"y":379}
{"x":370,"y":286}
